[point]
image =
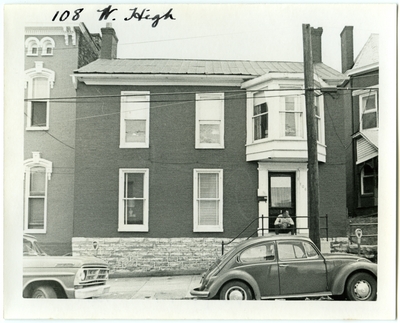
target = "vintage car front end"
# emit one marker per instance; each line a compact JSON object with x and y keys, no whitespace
{"x":61,"y":276}
{"x":90,"y":281}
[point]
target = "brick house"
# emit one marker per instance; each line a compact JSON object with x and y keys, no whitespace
{"x":51,"y":54}
{"x":362,"y":124}
{"x":173,"y":156}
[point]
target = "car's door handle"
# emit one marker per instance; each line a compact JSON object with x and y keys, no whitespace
{"x":283,"y":265}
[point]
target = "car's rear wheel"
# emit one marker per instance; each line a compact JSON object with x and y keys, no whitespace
{"x":361,"y":287}
{"x":44,"y":292}
{"x":235,"y":291}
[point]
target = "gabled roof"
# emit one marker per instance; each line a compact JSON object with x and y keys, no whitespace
{"x":369,"y":54}
{"x":247,"y":69}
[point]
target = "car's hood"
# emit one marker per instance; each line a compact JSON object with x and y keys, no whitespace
{"x":61,"y":261}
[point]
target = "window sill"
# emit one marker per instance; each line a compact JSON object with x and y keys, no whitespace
{"x":131,"y":229}
{"x":133,"y":147}
{"x":37,"y":128}
{"x":208,"y":230}
{"x":201,"y":147}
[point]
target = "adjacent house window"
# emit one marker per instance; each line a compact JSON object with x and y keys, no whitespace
{"x":47,"y":45}
{"x":291,"y":123}
{"x":208,"y":200}
{"x":369,"y":110}
{"x":318,"y":118}
{"x":260,"y":117}
{"x":39,"y":81}
{"x":368,"y":179}
{"x":133,"y":200}
{"x":37,"y":174}
{"x":32,"y":46}
{"x":39,"y":103}
{"x":135,"y":115}
{"x":210,"y":120}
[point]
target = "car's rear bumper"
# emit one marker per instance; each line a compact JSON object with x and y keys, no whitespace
{"x":199,"y":293}
{"x":94,"y":291}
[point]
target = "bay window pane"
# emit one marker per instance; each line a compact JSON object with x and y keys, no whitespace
{"x":260,"y":120}
{"x":135,"y":130}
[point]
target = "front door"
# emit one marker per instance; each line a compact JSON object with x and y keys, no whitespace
{"x":282,"y":196}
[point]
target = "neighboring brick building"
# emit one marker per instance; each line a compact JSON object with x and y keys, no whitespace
{"x":52,"y":53}
{"x":175,"y":156}
{"x":362,"y":124}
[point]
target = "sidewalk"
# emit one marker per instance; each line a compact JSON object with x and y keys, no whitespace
{"x":165,"y":287}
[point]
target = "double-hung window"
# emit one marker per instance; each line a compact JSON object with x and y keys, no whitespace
{"x":369,"y":110}
{"x":210,"y":120}
{"x":291,"y":117}
{"x":135,"y":119}
{"x":37,"y":173}
{"x":369,"y":179}
{"x":39,"y":81}
{"x":208,"y":200}
{"x":318,"y":118}
{"x":38,"y":112}
{"x":133,"y":200}
{"x":260,"y":116}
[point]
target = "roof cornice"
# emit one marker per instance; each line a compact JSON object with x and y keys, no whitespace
{"x":362,"y":69}
{"x":158,"y":79}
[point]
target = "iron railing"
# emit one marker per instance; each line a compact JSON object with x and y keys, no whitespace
{"x":263,"y":229}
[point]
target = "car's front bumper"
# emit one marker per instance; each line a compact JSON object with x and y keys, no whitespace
{"x":196,"y":292}
{"x":94,"y":291}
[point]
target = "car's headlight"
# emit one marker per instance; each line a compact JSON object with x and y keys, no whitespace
{"x":82,"y":275}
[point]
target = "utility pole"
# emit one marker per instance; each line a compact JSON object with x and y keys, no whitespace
{"x":313,"y":174}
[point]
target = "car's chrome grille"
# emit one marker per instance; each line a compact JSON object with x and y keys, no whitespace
{"x":95,"y":276}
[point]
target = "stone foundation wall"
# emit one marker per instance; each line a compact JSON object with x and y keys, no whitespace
{"x":148,"y":256}
{"x":138,"y":256}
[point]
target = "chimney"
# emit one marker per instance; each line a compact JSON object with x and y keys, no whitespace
{"x":316,"y":44}
{"x":109,"y":42}
{"x":346,"y":38}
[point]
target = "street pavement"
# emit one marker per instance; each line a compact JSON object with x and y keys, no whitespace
{"x":165,"y":287}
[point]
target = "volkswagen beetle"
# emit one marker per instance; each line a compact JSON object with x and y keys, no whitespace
{"x":287,"y":267}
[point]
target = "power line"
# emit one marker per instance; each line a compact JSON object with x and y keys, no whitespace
{"x":75,"y":98}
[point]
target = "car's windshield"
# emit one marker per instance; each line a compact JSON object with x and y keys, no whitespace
{"x":32,"y":249}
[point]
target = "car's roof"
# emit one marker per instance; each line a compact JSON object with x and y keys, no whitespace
{"x":270,"y":237}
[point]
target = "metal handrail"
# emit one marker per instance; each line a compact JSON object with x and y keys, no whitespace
{"x":262,"y":229}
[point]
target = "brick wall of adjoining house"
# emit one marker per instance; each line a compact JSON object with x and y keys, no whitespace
{"x":152,"y":255}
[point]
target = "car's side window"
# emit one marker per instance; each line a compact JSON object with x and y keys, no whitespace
{"x":310,"y":250}
{"x":261,"y":253}
{"x":291,"y":250}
